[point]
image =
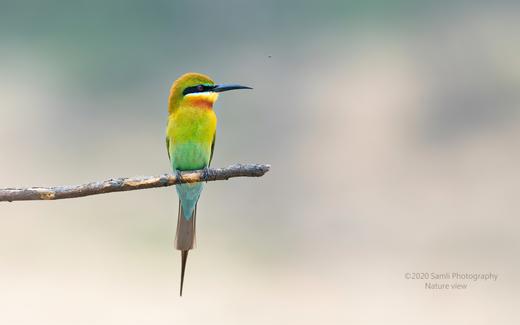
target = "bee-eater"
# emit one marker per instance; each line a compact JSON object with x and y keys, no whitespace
{"x":190,"y":140}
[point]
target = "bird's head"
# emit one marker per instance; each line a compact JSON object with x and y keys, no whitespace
{"x":196,"y":89}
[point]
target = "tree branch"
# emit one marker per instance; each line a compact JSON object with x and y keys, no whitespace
{"x":130,"y":183}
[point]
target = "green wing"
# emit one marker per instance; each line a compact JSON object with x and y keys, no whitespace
{"x":212,"y":147}
{"x":168,"y":148}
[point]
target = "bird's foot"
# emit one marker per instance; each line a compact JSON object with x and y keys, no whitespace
{"x":178,"y":176}
{"x":206,"y":174}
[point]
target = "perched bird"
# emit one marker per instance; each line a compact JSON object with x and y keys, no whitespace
{"x":190,"y":140}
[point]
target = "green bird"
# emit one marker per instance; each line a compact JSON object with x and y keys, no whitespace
{"x":190,"y":140}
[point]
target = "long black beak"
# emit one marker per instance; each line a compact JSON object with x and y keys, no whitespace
{"x":226,"y":87}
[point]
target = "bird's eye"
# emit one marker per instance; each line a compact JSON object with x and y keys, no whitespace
{"x":200,"y":87}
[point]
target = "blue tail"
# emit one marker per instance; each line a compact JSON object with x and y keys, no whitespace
{"x":189,"y":195}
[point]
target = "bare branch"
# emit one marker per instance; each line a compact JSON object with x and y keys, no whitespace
{"x":130,"y":184}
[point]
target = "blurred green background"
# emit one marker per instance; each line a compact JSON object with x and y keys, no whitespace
{"x":392,"y":128}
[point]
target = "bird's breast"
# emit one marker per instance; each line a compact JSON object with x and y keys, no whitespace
{"x":190,"y":132}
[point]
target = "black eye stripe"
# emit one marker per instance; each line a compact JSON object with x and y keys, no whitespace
{"x":197,"y":89}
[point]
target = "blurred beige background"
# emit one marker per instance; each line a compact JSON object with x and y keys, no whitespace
{"x":392,"y":130}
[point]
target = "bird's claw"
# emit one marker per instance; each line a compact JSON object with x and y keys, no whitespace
{"x":205,"y":174}
{"x":178,"y":176}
